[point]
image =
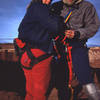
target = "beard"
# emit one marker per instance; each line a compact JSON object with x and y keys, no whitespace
{"x":69,"y":2}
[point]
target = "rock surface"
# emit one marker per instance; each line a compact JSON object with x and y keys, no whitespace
{"x":94,"y":57}
{"x":7,"y":53}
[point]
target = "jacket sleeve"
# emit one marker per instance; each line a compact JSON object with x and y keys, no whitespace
{"x":91,"y":23}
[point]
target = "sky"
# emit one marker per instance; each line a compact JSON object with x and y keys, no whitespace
{"x":12,"y":12}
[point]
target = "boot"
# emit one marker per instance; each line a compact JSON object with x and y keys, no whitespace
{"x":92,"y":91}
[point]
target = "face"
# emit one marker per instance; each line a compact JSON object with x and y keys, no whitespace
{"x":69,"y":2}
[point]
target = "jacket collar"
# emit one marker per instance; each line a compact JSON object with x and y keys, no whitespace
{"x":75,"y":5}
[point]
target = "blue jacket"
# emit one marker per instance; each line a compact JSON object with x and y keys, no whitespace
{"x":38,"y":26}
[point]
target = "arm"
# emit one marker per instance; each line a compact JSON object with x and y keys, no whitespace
{"x":91,"y":23}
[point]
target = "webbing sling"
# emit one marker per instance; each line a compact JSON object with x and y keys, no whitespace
{"x":69,"y":57}
{"x":35,"y":60}
{"x":22,"y":46}
{"x":67,"y":17}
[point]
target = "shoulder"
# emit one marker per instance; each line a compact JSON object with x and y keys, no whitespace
{"x":85,"y":3}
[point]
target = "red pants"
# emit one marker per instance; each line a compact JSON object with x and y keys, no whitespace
{"x":37,"y":78}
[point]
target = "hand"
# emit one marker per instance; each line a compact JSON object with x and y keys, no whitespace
{"x":46,"y":1}
{"x":70,"y":34}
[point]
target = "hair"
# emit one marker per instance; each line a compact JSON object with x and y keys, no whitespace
{"x":40,"y":1}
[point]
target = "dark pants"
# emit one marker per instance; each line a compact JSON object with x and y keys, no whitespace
{"x":81,"y":65}
{"x":60,"y":71}
{"x":59,"y":78}
{"x":81,"y":68}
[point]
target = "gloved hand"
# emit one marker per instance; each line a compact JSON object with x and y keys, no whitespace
{"x":56,"y":8}
{"x":71,"y":34}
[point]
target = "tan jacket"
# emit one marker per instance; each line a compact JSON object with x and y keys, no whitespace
{"x":84,"y":19}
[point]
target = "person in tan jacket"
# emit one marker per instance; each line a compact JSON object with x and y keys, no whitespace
{"x":82,"y":25}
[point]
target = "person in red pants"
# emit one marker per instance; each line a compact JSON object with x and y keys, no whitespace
{"x":35,"y":38}
{"x":37,"y":79}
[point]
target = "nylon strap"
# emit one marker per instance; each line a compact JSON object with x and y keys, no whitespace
{"x":68,"y":16}
{"x":69,"y":57}
{"x":35,"y":60}
{"x":18,"y":44}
